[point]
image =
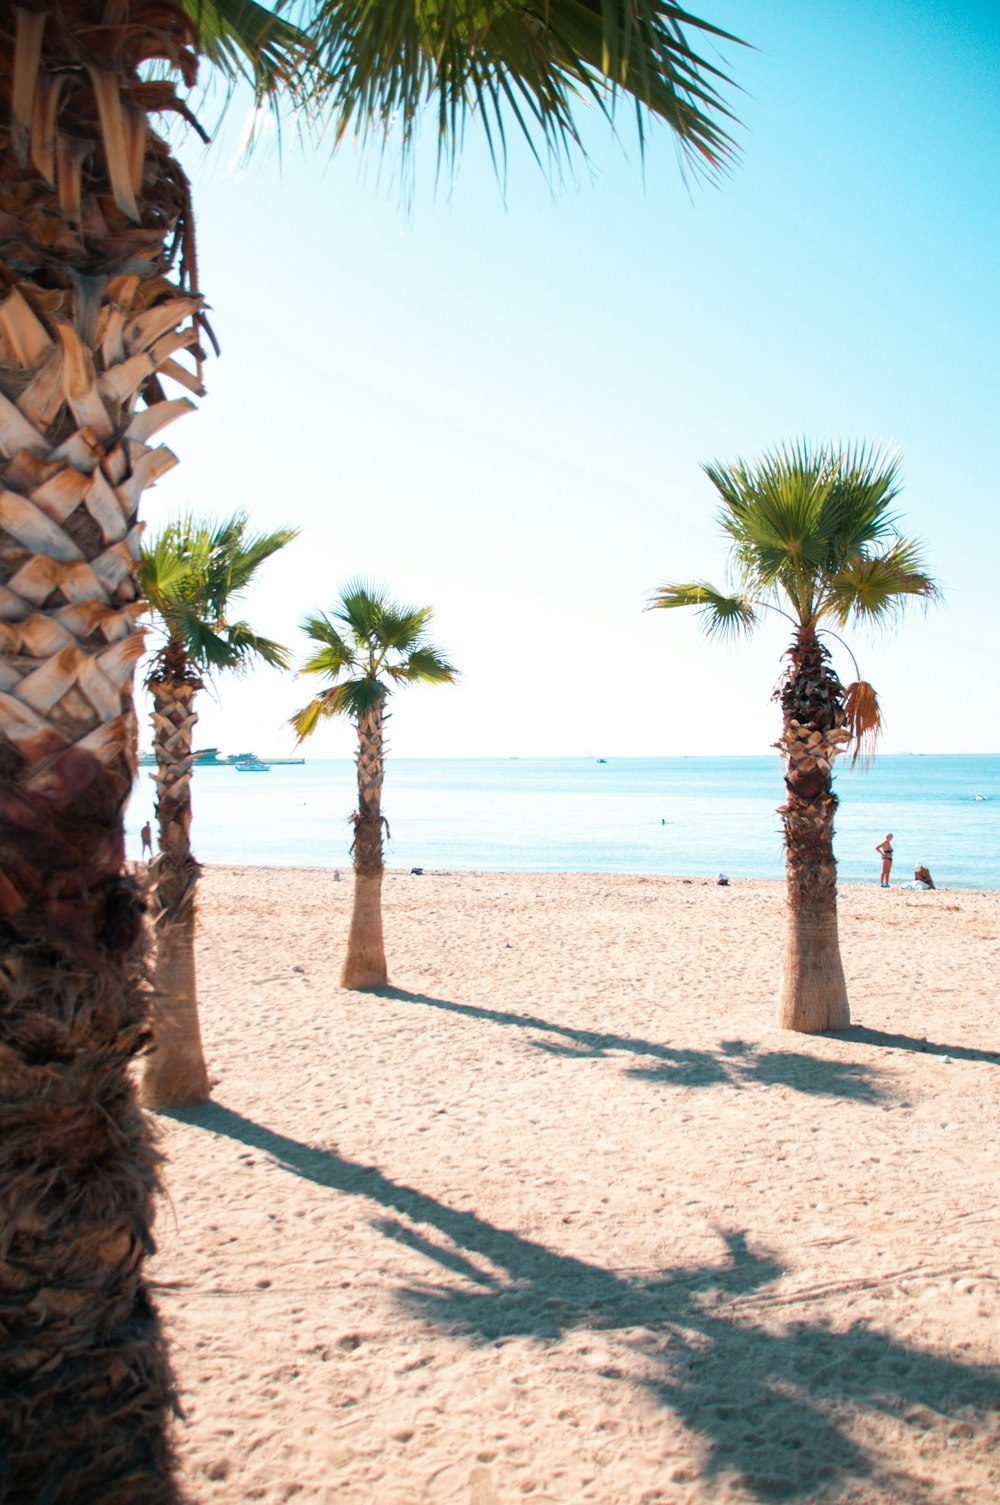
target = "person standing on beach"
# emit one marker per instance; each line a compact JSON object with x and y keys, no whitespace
{"x":884,"y":849}
{"x":147,"y":840}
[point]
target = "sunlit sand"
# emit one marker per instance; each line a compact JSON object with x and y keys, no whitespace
{"x":561,"y":1217}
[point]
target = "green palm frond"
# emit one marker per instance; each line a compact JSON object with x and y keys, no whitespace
{"x":360,"y":609}
{"x":857,"y":514}
{"x":427,"y":666}
{"x":532,"y":63}
{"x":402,"y":629}
{"x":875,"y":588}
{"x":246,"y":40}
{"x":330,"y":660}
{"x":721,"y":615}
{"x":250,"y":645}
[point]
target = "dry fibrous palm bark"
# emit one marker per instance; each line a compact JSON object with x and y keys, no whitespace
{"x":813,"y":994}
{"x":174,"y":1072}
{"x":365,"y":963}
{"x":97,"y":301}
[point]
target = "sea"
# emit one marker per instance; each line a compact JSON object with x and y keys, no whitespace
{"x":681,"y":816}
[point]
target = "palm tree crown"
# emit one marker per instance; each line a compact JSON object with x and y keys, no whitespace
{"x":812,"y":538}
{"x":367,"y":645}
{"x":190,"y":575}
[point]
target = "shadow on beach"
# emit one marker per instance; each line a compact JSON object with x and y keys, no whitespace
{"x":775,"y":1408}
{"x":917,"y":1043}
{"x":736,"y":1063}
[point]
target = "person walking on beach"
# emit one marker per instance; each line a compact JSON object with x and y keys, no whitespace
{"x":147,"y":840}
{"x":884,"y":849}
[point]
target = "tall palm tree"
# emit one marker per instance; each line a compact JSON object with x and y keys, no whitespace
{"x":102,"y":324}
{"x":367,"y":646}
{"x":190,"y":576}
{"x":813,"y":540}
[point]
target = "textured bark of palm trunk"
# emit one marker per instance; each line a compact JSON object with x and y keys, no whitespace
{"x":813,"y":996}
{"x":174,"y":1072}
{"x":93,"y":210}
{"x":364,"y":964}
{"x":86,"y":1392}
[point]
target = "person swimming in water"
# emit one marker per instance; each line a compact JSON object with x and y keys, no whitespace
{"x":884,"y":850}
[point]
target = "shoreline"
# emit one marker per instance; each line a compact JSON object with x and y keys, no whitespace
{"x":561,"y":1215}
{"x":345,"y":869}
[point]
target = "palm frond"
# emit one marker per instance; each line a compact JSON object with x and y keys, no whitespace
{"x":246,"y":40}
{"x":875,"y":588}
{"x":525,"y":62}
{"x":330,"y":659}
{"x":427,"y":666}
{"x":864,"y":721}
{"x":250,"y":646}
{"x":721,"y":614}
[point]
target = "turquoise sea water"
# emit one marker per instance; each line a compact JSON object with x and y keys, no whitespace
{"x":678,"y":816}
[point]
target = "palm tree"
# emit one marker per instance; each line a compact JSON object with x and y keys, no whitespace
{"x":102,"y":324}
{"x":813,"y":539}
{"x":190,"y":577}
{"x":384,"y":645}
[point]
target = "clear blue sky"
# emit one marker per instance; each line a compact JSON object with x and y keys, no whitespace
{"x":499,"y":403}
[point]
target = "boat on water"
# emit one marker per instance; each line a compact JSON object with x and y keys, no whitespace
{"x":251,"y":765}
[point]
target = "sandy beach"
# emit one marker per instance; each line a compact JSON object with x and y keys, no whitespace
{"x":561,"y":1216}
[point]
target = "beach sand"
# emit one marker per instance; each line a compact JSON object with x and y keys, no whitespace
{"x":563,"y":1217}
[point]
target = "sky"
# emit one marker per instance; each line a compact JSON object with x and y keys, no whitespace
{"x":496,"y":400}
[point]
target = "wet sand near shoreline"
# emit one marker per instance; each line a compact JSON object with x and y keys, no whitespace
{"x":561,"y":1216}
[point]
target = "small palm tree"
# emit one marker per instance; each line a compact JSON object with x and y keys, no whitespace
{"x":190,"y":577}
{"x":813,"y":540}
{"x":367,"y":646}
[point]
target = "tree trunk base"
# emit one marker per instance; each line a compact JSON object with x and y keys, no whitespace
{"x":813,"y":997}
{"x":365,"y":965}
{"x":174,"y":1074}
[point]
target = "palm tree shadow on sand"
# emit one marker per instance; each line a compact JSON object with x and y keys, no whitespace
{"x":737,"y":1063}
{"x":772,"y":1409}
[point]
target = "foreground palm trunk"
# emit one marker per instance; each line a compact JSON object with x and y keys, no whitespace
{"x":813,"y":994}
{"x":174,"y":1071}
{"x":365,"y":965}
{"x":89,"y":320}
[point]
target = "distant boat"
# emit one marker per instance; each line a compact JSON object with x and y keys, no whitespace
{"x":239,"y":760}
{"x":602,"y":760}
{"x":147,"y":760}
{"x":251,"y":765}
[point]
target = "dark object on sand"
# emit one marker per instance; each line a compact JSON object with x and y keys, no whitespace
{"x":418,"y":871}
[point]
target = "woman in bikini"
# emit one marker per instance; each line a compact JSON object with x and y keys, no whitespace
{"x":884,"y":850}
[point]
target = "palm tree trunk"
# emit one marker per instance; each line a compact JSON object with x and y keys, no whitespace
{"x":90,"y":199}
{"x":364,"y":964}
{"x":174,"y":1072}
{"x":813,"y":994}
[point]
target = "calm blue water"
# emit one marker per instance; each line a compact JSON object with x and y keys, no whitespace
{"x":677,"y":816}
